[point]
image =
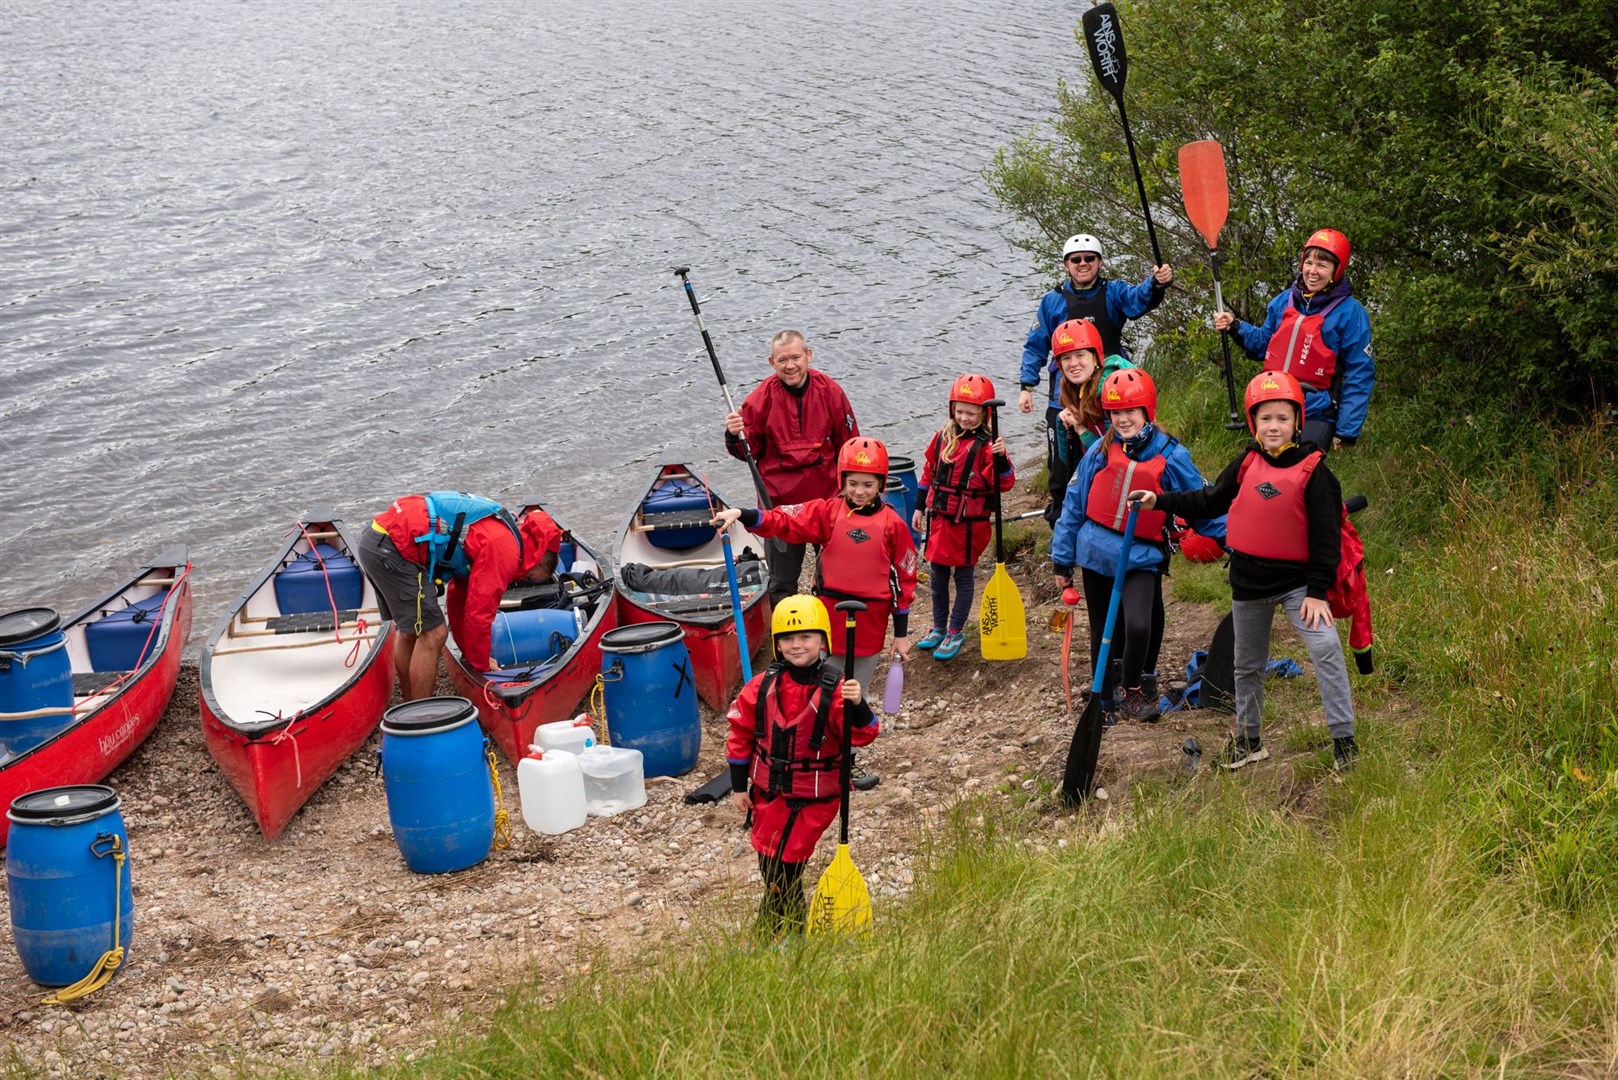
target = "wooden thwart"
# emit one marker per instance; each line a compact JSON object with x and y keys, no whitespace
{"x":293,"y":645}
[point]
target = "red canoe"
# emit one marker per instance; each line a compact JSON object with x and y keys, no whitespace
{"x":515,"y":699}
{"x":113,"y":710}
{"x":294,"y":679}
{"x":667,"y":530}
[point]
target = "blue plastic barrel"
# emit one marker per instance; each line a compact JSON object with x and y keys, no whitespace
{"x":894,"y":494}
{"x":650,"y":700}
{"x":67,"y":888}
{"x":300,"y":585}
{"x":35,"y":675}
{"x":440,"y":799}
{"x":531,"y":637}
{"x":122,"y":640}
{"x":904,"y":468}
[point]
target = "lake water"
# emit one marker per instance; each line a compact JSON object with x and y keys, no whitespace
{"x":256,"y":258}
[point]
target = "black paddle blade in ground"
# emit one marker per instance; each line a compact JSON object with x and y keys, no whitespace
{"x":1080,"y":774}
{"x":1105,"y":40}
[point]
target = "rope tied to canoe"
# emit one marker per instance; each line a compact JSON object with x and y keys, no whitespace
{"x":353,"y":656}
{"x":286,"y":734}
{"x":502,"y":817}
{"x":113,"y":958}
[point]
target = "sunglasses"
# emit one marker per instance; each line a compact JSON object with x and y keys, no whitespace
{"x":1086,"y":259}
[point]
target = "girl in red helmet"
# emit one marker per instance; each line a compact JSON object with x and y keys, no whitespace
{"x":1285,"y":538}
{"x":866,"y":552}
{"x":965,"y":464}
{"x":1320,"y":335}
{"x":1076,"y":346}
{"x":1089,"y":533}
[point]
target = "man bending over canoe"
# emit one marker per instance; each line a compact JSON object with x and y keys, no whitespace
{"x":473,"y":544}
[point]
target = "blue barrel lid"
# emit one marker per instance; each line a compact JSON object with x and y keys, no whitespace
{"x":898,"y":463}
{"x":27,"y":624}
{"x":427,"y":714}
{"x":57,"y":804}
{"x":641,"y":637}
{"x":894,"y":483}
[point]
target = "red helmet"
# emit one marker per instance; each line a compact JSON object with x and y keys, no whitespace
{"x":862,"y":455}
{"x":1333,"y":243}
{"x":1076,"y":334}
{"x":1130,"y":388}
{"x":1198,"y":548}
{"x":972,"y":389}
{"x":1272,"y":386}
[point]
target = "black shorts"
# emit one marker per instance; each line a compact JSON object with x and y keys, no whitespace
{"x":403,"y":592}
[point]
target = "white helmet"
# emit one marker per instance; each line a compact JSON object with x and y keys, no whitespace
{"x":1081,"y":242}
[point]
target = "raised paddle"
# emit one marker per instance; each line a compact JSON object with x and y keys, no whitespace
{"x":1206,"y":193}
{"x":681,"y":272}
{"x":1002,"y":623}
{"x":1105,"y":39}
{"x":1080,"y":774}
{"x":735,"y":593}
{"x":842,"y":903}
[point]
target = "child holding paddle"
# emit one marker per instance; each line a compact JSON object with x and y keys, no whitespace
{"x":1285,"y":515}
{"x":966,"y":463}
{"x":866,"y":552}
{"x":1135,"y":454}
{"x":785,"y":754}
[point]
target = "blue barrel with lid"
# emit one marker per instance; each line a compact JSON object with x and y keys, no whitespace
{"x":522,"y":638}
{"x":123,"y":639}
{"x":300,"y":585}
{"x":904,"y":469}
{"x":436,"y":775}
{"x":68,"y":878}
{"x":648,"y":695}
{"x":36,"y":677}
{"x":893,"y":493}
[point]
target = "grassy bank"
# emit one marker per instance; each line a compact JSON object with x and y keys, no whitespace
{"x":1445,"y":911}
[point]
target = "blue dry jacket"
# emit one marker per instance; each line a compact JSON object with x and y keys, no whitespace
{"x":1347,"y":332}
{"x":1078,"y":541}
{"x":1124,"y":302}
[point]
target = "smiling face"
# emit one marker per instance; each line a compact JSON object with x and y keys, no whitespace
{"x":862,"y":489}
{"x":1274,"y":423}
{"x":1077,"y":366}
{"x":1083,"y":267}
{"x":791,"y":358}
{"x":1318,"y":269}
{"x":1128,"y":422}
{"x":965,"y":414}
{"x":800,"y":649}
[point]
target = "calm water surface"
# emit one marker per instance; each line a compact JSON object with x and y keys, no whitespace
{"x":256,"y":258}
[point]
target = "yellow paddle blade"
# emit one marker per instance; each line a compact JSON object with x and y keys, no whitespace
{"x":842,"y":903}
{"x":1002,"y":624}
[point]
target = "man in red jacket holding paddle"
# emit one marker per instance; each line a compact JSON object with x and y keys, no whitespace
{"x":795,"y":423}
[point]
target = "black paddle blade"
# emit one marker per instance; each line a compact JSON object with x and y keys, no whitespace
{"x":1105,"y":39}
{"x":1080,"y":774}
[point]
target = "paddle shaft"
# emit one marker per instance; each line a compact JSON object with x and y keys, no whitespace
{"x":848,"y":607}
{"x":1079,"y":775}
{"x":736,"y":608}
{"x":1235,"y":422}
{"x":707,"y":340}
{"x":1116,"y":601}
{"x":994,"y":472}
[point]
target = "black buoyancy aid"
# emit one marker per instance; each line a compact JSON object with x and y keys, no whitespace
{"x":1297,"y":348}
{"x":1268,"y":519}
{"x":1108,"y":501}
{"x":796,"y":761}
{"x":957,"y":492}
{"x":1093,"y":308}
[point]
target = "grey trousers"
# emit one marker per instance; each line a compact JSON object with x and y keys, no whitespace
{"x":1251,"y":620}
{"x":864,"y":668}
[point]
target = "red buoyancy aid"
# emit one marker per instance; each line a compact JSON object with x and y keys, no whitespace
{"x":1297,"y":348}
{"x":960,"y":490}
{"x":1108,"y":503}
{"x":1267,"y":519}
{"x":855,"y":563}
{"x":800,"y":760}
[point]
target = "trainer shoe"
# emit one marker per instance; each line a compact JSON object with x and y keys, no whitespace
{"x":1138,"y":707}
{"x":1109,"y":712}
{"x":934,"y":638}
{"x":1345,"y":752}
{"x":1148,"y":684}
{"x":1241,"y":750}
{"x":951,"y":645}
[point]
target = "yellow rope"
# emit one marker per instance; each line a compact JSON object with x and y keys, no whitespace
{"x":502,"y":819}
{"x":598,"y":707}
{"x":113,"y":958}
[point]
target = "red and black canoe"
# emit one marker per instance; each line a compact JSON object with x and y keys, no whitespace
{"x":295,"y":677}
{"x":125,"y":656}
{"x":547,"y":648}
{"x":671,"y":567}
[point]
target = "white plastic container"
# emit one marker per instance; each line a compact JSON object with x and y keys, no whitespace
{"x":614,"y":780}
{"x":551,"y":786}
{"x":575,"y":736}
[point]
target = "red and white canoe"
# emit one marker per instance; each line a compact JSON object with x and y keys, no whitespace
{"x":667,"y":529}
{"x":514,"y":700}
{"x":295,"y":677}
{"x":113,"y":710}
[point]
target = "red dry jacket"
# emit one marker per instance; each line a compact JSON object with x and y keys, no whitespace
{"x":959,"y":500}
{"x":795,"y":438}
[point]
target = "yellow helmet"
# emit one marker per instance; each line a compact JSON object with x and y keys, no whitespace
{"x":798,"y":613}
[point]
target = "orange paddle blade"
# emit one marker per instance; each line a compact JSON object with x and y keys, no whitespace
{"x":1204,"y":188}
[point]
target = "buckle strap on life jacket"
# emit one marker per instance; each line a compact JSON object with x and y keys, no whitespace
{"x":778,"y":750}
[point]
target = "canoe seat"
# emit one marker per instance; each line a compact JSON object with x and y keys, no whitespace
{"x":676,"y":519}
{"x":308,"y":621}
{"x":91,"y":683}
